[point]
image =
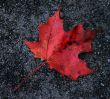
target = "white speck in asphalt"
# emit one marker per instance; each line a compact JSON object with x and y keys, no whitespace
{"x":102,"y":84}
{"x":108,"y":60}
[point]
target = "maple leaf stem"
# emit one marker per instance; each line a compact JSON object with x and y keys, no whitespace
{"x":32,"y":72}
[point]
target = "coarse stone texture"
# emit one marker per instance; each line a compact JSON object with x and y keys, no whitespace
{"x":19,"y":20}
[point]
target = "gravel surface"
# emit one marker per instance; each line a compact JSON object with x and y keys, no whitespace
{"x":19,"y":20}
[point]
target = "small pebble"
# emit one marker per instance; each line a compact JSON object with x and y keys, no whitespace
{"x":102,"y":84}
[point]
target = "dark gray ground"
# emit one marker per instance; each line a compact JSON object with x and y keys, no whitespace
{"x":19,"y":20}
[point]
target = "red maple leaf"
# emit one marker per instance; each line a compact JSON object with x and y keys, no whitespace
{"x":60,"y":49}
